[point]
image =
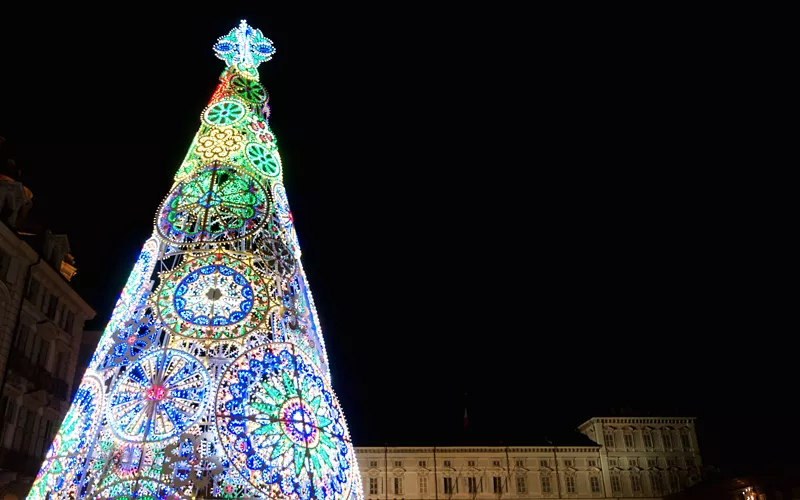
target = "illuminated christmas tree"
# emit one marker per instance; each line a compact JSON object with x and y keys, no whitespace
{"x":211,"y":377}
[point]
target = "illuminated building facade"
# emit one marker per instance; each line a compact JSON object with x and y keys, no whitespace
{"x":211,"y":377}
{"x":633,"y":458}
{"x":41,"y":325}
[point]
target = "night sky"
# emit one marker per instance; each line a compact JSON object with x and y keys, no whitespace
{"x":520,"y":212}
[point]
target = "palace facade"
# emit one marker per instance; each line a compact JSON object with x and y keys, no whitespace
{"x":645,"y":457}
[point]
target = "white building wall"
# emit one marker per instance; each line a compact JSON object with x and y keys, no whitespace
{"x":641,"y":468}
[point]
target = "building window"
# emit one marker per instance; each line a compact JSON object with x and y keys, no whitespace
{"x":616,"y":484}
{"x":448,"y":485}
{"x":373,"y":463}
{"x":30,"y":421}
{"x":398,"y":463}
{"x":648,"y":440}
{"x":61,"y":368}
{"x":666,"y":438}
{"x":632,"y":462}
{"x":520,"y":463}
{"x":44,"y":426}
{"x":592,"y":463}
{"x":636,"y":483}
{"x":471,"y":463}
{"x":546,"y":488}
{"x":497,"y":484}
{"x":609,"y":440}
{"x":48,"y":437}
{"x":674,"y":484}
{"x":20,"y":419}
{"x":62,"y":316}
{"x":472,"y":485}
{"x":612,"y":462}
{"x":10,"y":409}
{"x":398,"y":485}
{"x":5,"y":263}
{"x":570,"y":484}
{"x":686,"y":442}
{"x":70,"y":323}
{"x":447,"y":463}
{"x":651,"y":462}
{"x":52,"y":306}
{"x":522,"y":484}
{"x":670,"y":461}
{"x":44,"y":350}
{"x":544,"y":463}
{"x":373,"y":486}
{"x":496,"y":463}
{"x":423,"y":484}
{"x":629,"y":441}
{"x":594,"y":482}
{"x":23,"y":337}
{"x":33,"y":291}
{"x":689,"y":461}
{"x":423,"y":463}
{"x":567,"y":463}
{"x":655,"y":481}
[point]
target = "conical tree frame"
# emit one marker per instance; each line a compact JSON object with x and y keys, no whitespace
{"x":211,"y":378}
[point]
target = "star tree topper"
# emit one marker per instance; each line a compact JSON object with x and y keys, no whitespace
{"x":244,"y":45}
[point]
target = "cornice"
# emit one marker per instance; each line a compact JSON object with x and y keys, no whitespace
{"x":638,"y":420}
{"x":478,"y":449}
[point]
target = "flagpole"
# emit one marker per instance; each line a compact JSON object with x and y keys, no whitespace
{"x":435,"y":479}
{"x":508,"y":472}
{"x":386,"y":464}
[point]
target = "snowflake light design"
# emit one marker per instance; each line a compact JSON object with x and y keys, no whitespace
{"x":215,"y":296}
{"x":158,"y":397}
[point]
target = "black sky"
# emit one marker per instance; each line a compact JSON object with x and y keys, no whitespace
{"x":526,"y":207}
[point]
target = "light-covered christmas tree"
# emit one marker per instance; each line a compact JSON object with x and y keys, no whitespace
{"x":211,"y":378}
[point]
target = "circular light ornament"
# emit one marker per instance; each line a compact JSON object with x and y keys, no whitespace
{"x":215,"y":297}
{"x":264,"y":160}
{"x":158,"y":397}
{"x":273,"y":257}
{"x":281,"y":426}
{"x":224,"y":113}
{"x":247,"y":89}
{"x":218,"y":203}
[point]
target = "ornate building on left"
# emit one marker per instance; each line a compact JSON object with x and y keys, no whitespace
{"x":41,"y":324}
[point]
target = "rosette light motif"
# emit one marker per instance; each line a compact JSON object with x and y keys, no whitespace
{"x":211,"y":378}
